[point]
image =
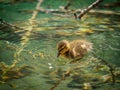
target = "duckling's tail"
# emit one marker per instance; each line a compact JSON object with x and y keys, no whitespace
{"x":87,"y":46}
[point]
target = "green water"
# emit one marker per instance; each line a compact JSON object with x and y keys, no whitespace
{"x":39,"y":52}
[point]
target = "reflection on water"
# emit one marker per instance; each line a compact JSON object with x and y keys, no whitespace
{"x":39,"y":53}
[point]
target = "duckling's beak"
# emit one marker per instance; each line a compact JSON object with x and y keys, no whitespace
{"x":58,"y":54}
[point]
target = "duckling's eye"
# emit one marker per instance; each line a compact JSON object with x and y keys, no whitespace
{"x":62,"y":48}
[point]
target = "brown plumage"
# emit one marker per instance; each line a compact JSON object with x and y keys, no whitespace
{"x":75,"y":49}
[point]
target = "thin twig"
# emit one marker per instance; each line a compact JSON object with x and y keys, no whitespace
{"x":107,"y":64}
{"x":9,"y":24}
{"x":66,"y":74}
{"x":52,"y":88}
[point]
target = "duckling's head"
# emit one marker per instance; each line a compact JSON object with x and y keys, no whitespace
{"x":63,"y":47}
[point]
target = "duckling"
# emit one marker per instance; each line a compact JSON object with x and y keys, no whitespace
{"x":75,"y":49}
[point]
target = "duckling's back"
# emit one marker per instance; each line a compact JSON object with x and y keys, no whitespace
{"x":79,"y":47}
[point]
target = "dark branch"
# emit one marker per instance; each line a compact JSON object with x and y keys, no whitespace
{"x":84,"y":11}
{"x":67,"y":6}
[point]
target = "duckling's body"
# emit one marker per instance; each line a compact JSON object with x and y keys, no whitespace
{"x":73,"y":50}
